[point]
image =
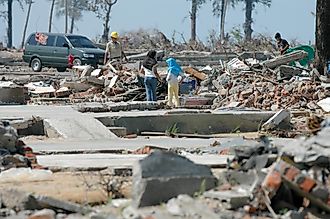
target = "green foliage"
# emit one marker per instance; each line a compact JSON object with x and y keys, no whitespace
{"x":172,"y":130}
{"x":202,"y":189}
{"x":237,"y":34}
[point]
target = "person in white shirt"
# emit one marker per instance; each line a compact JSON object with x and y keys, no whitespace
{"x":151,"y":76}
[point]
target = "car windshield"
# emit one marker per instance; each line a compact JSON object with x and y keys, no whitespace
{"x":81,"y":42}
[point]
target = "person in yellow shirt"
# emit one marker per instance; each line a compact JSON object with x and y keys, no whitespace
{"x":114,"y":50}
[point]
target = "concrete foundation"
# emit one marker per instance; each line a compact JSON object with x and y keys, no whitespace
{"x":190,"y":122}
{"x":12,"y":95}
{"x":60,"y":121}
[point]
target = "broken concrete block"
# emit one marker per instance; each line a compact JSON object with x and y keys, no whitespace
{"x":5,"y":212}
{"x":325,"y":104}
{"x":43,"y":214}
{"x":101,"y":216}
{"x":236,"y":64}
{"x":18,"y":200}
{"x":12,"y":95}
{"x":164,"y":175}
{"x":95,"y":81}
{"x":96,"y":72}
{"x":185,"y":206}
{"x":113,"y":81}
{"x":87,"y":71}
{"x":76,"y":86}
{"x":8,"y":137}
{"x":258,"y":55}
{"x":284,"y":59}
{"x":286,"y":71}
{"x":234,"y":199}
{"x":235,"y":188}
{"x":119,"y":131}
{"x":277,"y":119}
{"x":13,"y":161}
{"x":52,"y":203}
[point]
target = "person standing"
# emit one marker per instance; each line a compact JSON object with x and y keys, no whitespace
{"x":151,"y":76}
{"x":114,"y":50}
{"x":174,"y":78}
{"x":282,"y":44}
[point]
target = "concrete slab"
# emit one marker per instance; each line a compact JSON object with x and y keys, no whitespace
{"x":117,"y":160}
{"x":61,"y":120}
{"x":188,"y":122}
{"x":106,"y":145}
{"x":115,"y":145}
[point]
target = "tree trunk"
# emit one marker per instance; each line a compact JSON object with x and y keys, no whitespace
{"x":106,"y":27}
{"x":72,"y":24}
{"x":224,"y":5}
{"x":26,"y":23}
{"x":66,"y":16}
{"x":51,"y":16}
{"x":322,"y":34}
{"x":193,"y":15}
{"x":248,"y":20}
{"x":10,"y":24}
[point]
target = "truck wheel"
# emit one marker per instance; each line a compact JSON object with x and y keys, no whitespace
{"x":76,"y":62}
{"x":61,"y":69}
{"x":36,"y":65}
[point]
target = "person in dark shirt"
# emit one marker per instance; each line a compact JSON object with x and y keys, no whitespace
{"x":282,"y":44}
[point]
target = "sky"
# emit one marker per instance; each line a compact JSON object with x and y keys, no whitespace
{"x":293,"y":18}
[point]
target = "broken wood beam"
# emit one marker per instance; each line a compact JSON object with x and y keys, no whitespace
{"x":195,"y":73}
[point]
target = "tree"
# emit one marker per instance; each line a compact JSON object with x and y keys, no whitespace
{"x":102,"y":9}
{"x":66,"y":15}
{"x":219,"y":10}
{"x":9,"y":19}
{"x":322,"y":34}
{"x":249,"y":7}
{"x":195,"y":6}
{"x":72,"y":9}
{"x":50,"y":22}
{"x":29,"y":2}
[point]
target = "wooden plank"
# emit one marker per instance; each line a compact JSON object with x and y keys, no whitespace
{"x":197,"y":74}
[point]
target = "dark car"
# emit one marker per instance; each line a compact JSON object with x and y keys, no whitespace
{"x":53,"y":50}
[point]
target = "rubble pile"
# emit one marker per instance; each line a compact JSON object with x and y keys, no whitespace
{"x":13,"y":152}
{"x":262,"y":180}
{"x":253,"y":90}
{"x":87,"y":84}
{"x":268,"y":85}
